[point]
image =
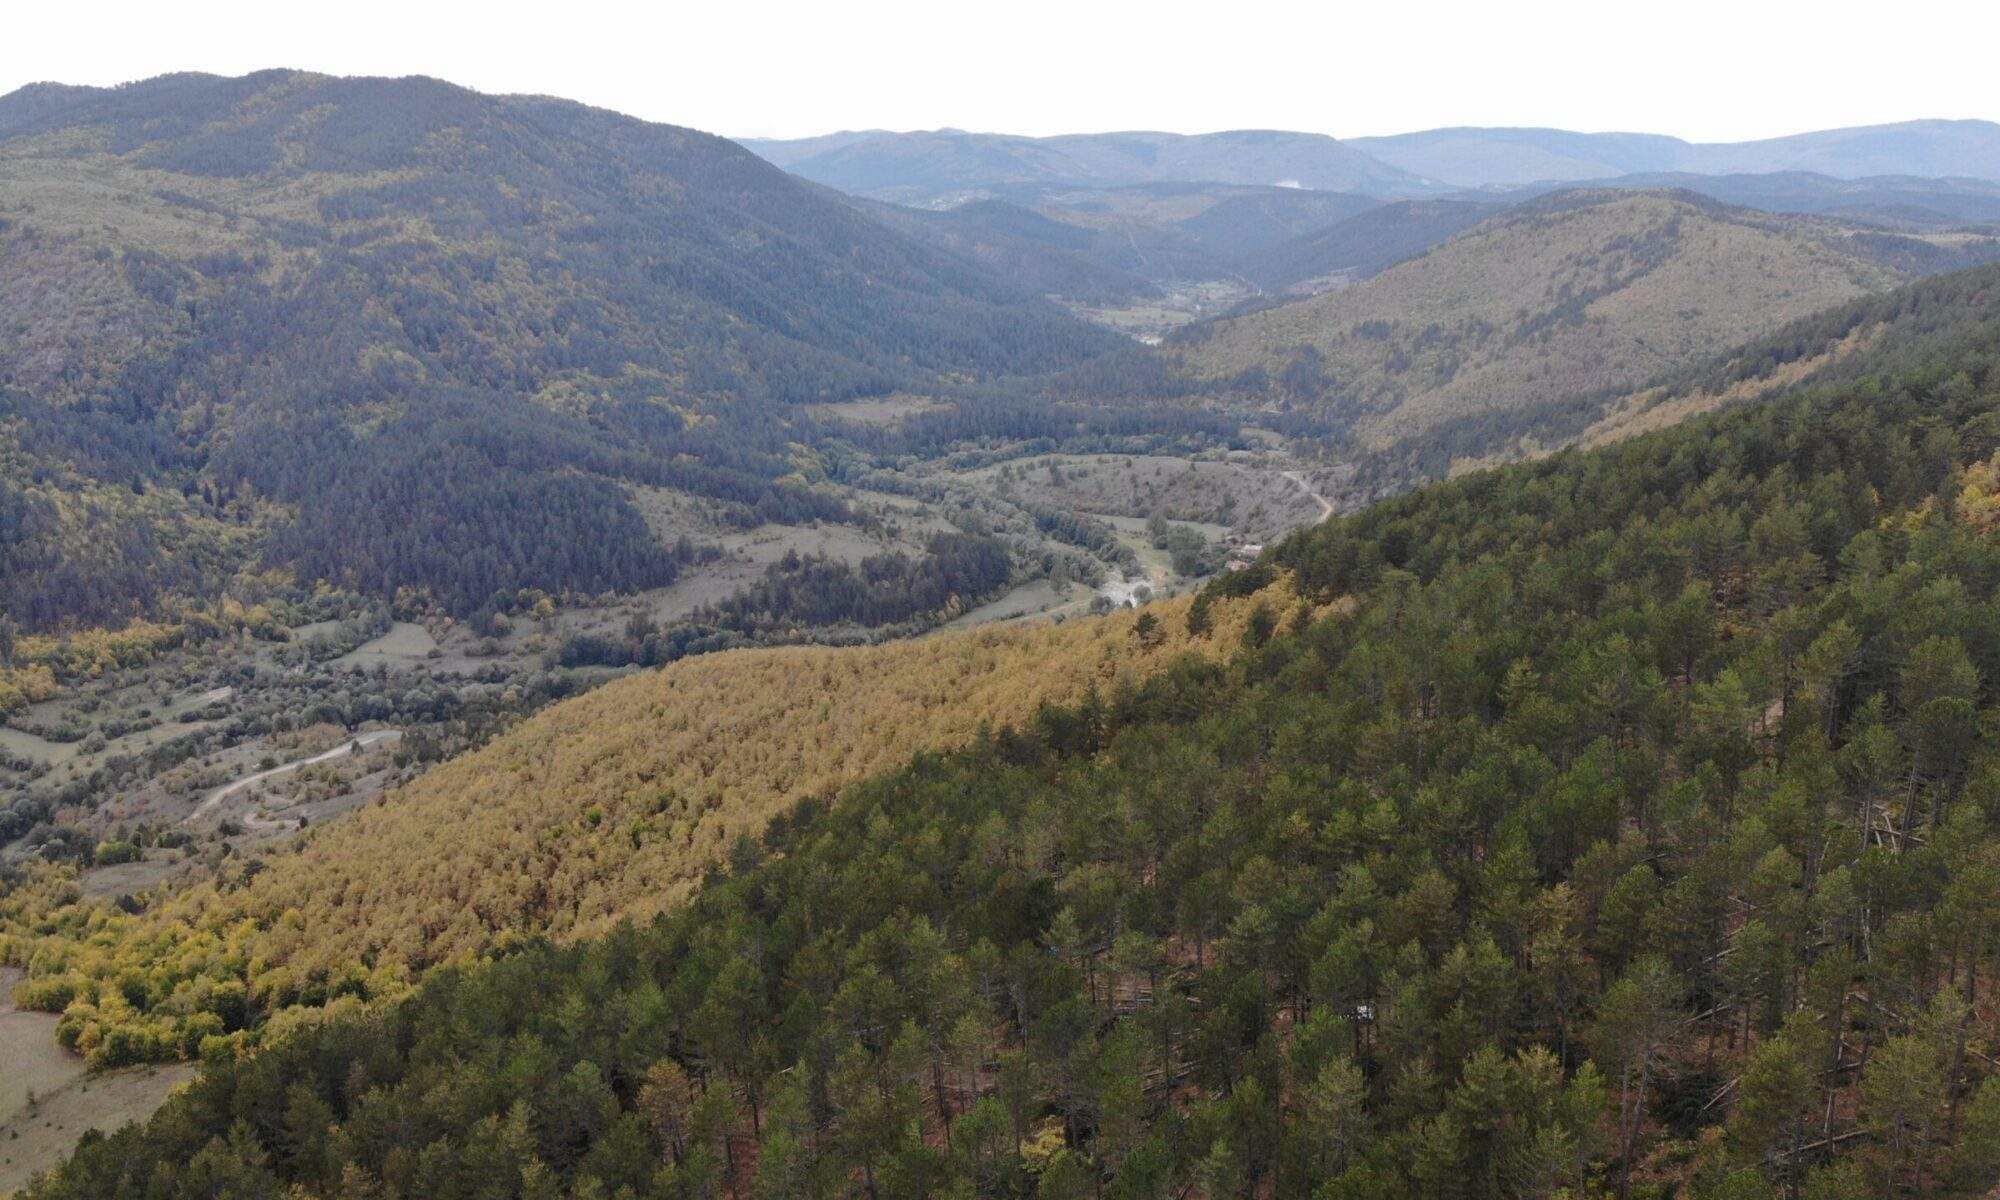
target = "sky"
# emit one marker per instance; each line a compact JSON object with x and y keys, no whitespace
{"x":1699,"y":69}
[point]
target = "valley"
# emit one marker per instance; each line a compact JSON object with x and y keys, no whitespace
{"x":545,"y":654}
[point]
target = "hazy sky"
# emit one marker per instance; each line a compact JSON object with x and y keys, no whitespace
{"x":1702,"y":69}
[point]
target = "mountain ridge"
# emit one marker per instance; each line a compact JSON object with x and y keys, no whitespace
{"x":935,"y":166}
{"x":928,"y":166}
{"x":1475,"y":156}
{"x":1572,"y":293}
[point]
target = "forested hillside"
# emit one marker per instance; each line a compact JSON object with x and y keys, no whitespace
{"x":1893,"y":201}
{"x":1047,"y":256}
{"x":424,"y":335}
{"x":609,"y":807}
{"x":1629,"y":828}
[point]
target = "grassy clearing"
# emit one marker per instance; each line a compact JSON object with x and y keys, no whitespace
{"x":877,"y":411}
{"x":48,"y":1099}
{"x":406,"y":644}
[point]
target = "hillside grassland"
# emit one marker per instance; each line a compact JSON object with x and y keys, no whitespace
{"x":48,"y":1098}
{"x":1589,"y":297}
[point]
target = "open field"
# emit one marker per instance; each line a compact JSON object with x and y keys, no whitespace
{"x":1246,"y":493}
{"x":1152,"y":319}
{"x":47,"y":1099}
{"x":406,"y":644}
{"x":124,"y":879}
{"x":877,"y":411}
{"x":1037,"y":597}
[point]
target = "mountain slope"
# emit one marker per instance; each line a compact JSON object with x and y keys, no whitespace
{"x":1253,"y":219}
{"x":1580,"y":294}
{"x":1941,"y":318}
{"x":1926,"y":321}
{"x":1476,"y":157}
{"x":1109,"y":247}
{"x":1046,"y":256}
{"x":1362,"y":246}
{"x":946,"y":164}
{"x":607,"y":808}
{"x":649,"y":222}
{"x":530,"y":301}
{"x":1631,"y":828}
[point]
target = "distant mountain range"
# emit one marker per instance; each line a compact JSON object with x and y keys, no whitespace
{"x":1477,"y":158}
{"x":1106,"y":246}
{"x":943,"y":166}
{"x":1884,"y":199}
{"x":409,"y":338}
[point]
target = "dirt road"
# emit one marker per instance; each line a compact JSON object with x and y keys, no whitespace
{"x":1299,"y":477}
{"x":216,"y":797}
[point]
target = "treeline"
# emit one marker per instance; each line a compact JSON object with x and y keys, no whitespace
{"x":1016,"y":417}
{"x":466,"y":496}
{"x":1632,"y":826}
{"x":1086,"y":532}
{"x":955,"y":572}
{"x":679,"y":763}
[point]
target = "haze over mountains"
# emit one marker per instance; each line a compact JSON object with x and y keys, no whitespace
{"x":269,"y":303}
{"x":920,"y":167}
{"x":927,"y":167}
{"x":1473,"y":157}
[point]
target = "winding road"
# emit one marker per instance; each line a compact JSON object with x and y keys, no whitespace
{"x":216,"y":797}
{"x":1325,"y":505}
